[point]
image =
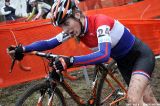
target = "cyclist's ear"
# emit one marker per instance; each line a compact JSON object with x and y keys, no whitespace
{"x":77,"y":15}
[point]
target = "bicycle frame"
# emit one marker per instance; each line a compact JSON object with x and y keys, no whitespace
{"x":74,"y":96}
{"x":114,"y":90}
{"x":54,"y":78}
{"x":92,"y":100}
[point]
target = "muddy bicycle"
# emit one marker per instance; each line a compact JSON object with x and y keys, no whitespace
{"x":47,"y":93}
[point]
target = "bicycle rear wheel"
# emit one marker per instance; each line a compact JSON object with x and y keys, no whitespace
{"x":34,"y":93}
{"x":107,"y":93}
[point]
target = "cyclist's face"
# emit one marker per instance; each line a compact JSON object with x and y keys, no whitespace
{"x":71,"y":26}
{"x":33,"y":4}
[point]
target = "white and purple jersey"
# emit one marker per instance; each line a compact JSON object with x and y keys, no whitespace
{"x":105,"y":36}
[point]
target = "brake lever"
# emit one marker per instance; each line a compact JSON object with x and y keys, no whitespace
{"x":60,"y":75}
{"x":12,"y":65}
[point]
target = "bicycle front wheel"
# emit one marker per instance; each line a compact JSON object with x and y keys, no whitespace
{"x":38,"y":95}
{"x":101,"y":91}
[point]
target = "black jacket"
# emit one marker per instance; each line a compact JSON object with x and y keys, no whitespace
{"x":12,"y":15}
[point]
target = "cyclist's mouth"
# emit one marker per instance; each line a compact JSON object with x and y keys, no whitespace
{"x":73,"y":33}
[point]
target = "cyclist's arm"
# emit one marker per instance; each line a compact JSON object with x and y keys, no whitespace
{"x":5,"y":12}
{"x":104,"y":46}
{"x":47,"y":44}
{"x":40,"y":12}
{"x":31,"y":14}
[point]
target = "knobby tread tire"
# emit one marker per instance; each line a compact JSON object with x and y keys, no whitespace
{"x":99,"y":89}
{"x":35,"y":88}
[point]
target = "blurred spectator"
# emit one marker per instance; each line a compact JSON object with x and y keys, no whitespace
{"x":50,"y":2}
{"x":31,"y":11}
{"x":93,"y":4}
{"x":137,"y":0}
{"x":38,"y":7}
{"x":8,"y":11}
{"x":90,"y":4}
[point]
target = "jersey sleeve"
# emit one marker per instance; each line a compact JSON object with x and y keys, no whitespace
{"x":47,"y":44}
{"x":40,"y":11}
{"x":103,"y":34}
{"x":4,"y":12}
{"x":104,"y":49}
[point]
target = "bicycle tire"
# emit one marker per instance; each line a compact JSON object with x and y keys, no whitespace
{"x":99,"y":89}
{"x":33,"y":89}
{"x":103,"y":89}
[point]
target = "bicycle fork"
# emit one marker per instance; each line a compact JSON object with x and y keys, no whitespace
{"x":49,"y":91}
{"x":91,"y":101}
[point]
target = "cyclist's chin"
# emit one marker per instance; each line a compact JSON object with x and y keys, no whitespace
{"x":76,"y":34}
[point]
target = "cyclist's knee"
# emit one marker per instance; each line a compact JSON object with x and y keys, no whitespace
{"x":132,"y":99}
{"x":136,"y":87}
{"x":148,"y":96}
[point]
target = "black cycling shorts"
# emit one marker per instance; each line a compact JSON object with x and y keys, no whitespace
{"x":139,"y":60}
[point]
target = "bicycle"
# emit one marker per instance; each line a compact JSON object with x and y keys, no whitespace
{"x":49,"y":92}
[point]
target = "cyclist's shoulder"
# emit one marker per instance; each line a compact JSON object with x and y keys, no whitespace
{"x":101,"y":19}
{"x":43,"y":4}
{"x":102,"y":16}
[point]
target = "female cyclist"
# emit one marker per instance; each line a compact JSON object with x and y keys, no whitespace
{"x":107,"y":38}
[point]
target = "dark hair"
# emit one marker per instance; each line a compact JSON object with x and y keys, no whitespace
{"x":29,"y":8}
{"x":7,"y":0}
{"x":75,"y":10}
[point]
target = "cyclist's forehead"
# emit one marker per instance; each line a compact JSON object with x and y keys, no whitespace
{"x":66,"y":22}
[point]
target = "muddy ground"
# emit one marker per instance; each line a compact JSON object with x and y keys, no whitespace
{"x":9,"y":95}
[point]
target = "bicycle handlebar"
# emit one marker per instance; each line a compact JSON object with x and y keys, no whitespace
{"x":41,"y":54}
{"x":46,"y":55}
{"x":50,"y":57}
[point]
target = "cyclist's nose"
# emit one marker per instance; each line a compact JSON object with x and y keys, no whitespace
{"x":65,"y":29}
{"x":69,"y":31}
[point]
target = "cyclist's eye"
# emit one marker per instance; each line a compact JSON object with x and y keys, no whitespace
{"x":66,"y":23}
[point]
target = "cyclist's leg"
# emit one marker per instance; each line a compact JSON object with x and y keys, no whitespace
{"x":135,"y":95}
{"x":148,"y":96}
{"x":136,"y":89}
{"x":140,"y":91}
{"x":137,"y":65}
{"x":125,"y":66}
{"x":142,"y":71}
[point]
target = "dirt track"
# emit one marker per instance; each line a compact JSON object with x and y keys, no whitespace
{"x":10,"y":94}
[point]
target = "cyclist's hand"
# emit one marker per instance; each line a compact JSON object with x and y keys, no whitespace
{"x":15,"y":52}
{"x":62,"y":63}
{"x":36,"y":18}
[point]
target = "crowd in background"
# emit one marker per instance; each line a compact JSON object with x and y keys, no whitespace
{"x":40,"y":9}
{"x":8,"y":11}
